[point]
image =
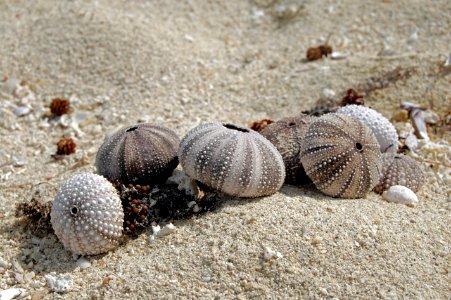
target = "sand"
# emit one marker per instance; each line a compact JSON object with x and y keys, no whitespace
{"x":181,"y":63}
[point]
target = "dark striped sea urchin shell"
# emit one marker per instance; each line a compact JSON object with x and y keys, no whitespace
{"x":233,"y":159}
{"x":398,"y":169}
{"x":142,"y":153}
{"x":342,"y":156}
{"x":286,"y":135}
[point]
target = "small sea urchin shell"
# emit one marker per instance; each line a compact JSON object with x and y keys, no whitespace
{"x":142,"y":153}
{"x":233,"y":159}
{"x":286,"y":135}
{"x":384,"y":131}
{"x":398,"y":169}
{"x":87,"y":215}
{"x":341,"y":156}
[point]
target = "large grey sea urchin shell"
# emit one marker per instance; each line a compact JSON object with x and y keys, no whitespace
{"x":286,"y":134}
{"x":384,"y":131}
{"x":142,"y":153}
{"x":341,"y":156}
{"x":87,"y":215}
{"x":398,"y":169}
{"x":233,"y":159}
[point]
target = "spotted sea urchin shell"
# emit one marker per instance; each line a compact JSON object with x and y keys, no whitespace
{"x":398,"y":169}
{"x":384,"y":131}
{"x":286,"y":135}
{"x":341,"y":156}
{"x":142,"y":153}
{"x":87,"y":215}
{"x":233,"y":159}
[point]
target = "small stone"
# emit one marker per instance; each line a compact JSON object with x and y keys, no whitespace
{"x":59,"y":284}
{"x":22,"y":111}
{"x":83,"y":263}
{"x":3,"y":263}
{"x":270,"y":254}
{"x":400,"y":194}
{"x":12,"y":294}
{"x":167,"y":230}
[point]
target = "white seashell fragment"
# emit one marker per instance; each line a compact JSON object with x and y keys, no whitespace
{"x":12,"y":294}
{"x":59,"y":284}
{"x":22,"y":111}
{"x":338,"y":55}
{"x":167,"y":230}
{"x":400,"y":194}
{"x":83,"y":263}
{"x":269,"y":254}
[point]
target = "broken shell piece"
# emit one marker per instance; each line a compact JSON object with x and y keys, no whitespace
{"x":22,"y":111}
{"x":417,"y":118}
{"x":338,"y":55}
{"x":12,"y":293}
{"x":59,"y":284}
{"x":400,"y":194}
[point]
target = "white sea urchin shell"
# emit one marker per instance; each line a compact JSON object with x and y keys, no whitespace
{"x":87,"y":215}
{"x":384,"y":131}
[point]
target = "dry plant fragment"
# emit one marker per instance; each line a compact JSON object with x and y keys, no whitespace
{"x":319,"y":52}
{"x":65,"y":146}
{"x":352,"y":97}
{"x":59,"y":106}
{"x":260,"y":125}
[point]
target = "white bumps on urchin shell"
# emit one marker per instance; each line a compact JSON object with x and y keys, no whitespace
{"x":384,"y":131}
{"x":235,"y":160}
{"x":87,"y":215}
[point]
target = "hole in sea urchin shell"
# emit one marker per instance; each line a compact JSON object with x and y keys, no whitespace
{"x":359,"y":146}
{"x":74,"y":211}
{"x":131,"y":129}
{"x":234,"y":127}
{"x":291,"y":124}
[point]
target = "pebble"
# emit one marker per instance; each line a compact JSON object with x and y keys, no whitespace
{"x":22,"y":111}
{"x":400,"y":194}
{"x":83,"y":263}
{"x":12,"y":294}
{"x":3,"y":263}
{"x":166,"y":230}
{"x":59,"y":284}
{"x":270,"y":254}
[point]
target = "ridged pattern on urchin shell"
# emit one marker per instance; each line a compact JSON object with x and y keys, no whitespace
{"x":384,"y":131}
{"x":286,"y":134}
{"x":142,"y":153}
{"x":233,"y":159}
{"x":87,"y":215}
{"x":341,"y":156}
{"x":398,"y":169}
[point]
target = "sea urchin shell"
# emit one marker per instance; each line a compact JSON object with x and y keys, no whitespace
{"x":87,"y":215}
{"x":398,"y":169}
{"x":341,"y":156}
{"x":142,"y":153}
{"x":286,"y":135}
{"x":384,"y":131}
{"x":233,"y":159}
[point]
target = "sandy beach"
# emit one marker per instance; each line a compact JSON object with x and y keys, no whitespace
{"x":183,"y":63}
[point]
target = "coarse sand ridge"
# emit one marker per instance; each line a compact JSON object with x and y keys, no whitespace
{"x":181,"y":63}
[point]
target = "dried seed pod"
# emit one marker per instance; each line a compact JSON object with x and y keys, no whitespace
{"x":398,"y":169}
{"x":59,"y":106}
{"x":87,"y":215}
{"x":286,"y":135}
{"x":384,"y":131}
{"x":65,"y":146}
{"x":341,"y":156}
{"x":233,"y":159}
{"x":142,"y":153}
{"x":260,"y":125}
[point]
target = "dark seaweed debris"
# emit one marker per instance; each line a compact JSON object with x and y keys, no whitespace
{"x":144,"y":205}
